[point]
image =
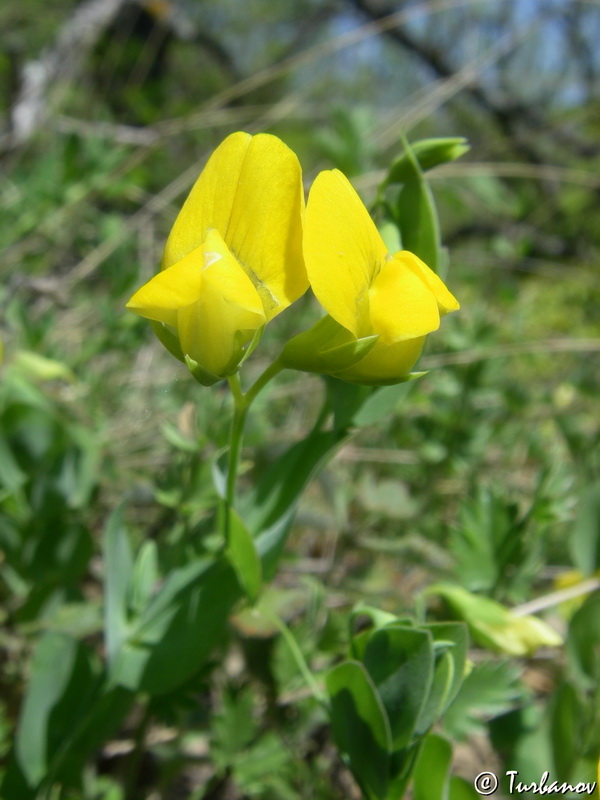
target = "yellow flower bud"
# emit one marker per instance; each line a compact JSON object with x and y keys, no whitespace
{"x":495,"y":626}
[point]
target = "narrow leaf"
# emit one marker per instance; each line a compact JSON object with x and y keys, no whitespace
{"x":269,"y":508}
{"x":429,"y":153}
{"x":59,"y":687}
{"x":585,"y":542}
{"x":418,"y":222}
{"x":173,"y":639}
{"x":244,"y":557}
{"x":583,"y":642}
{"x":450,"y":647}
{"x":416,"y":215}
{"x":118,"y":565}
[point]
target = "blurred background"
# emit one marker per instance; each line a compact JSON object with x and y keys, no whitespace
{"x":108,"y":111}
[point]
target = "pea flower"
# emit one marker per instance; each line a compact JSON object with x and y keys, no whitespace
{"x":380,"y":307}
{"x":233,"y":259}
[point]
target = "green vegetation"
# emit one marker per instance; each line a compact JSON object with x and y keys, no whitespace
{"x":132,"y":665}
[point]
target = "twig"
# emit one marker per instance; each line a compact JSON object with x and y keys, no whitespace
{"x":556,"y":598}
{"x":77,"y":36}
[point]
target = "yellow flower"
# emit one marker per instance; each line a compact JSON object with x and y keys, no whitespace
{"x":380,"y":306}
{"x":233,"y":260}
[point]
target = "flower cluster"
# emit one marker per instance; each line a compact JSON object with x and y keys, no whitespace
{"x":244,"y":247}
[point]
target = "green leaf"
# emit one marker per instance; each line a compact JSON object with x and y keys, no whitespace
{"x":583,"y":642}
{"x":460,"y":789}
{"x":450,"y":648}
{"x":97,"y":721}
{"x":178,"y":439}
{"x":490,"y":689}
{"x":360,"y":726}
{"x":39,"y":368}
{"x":12,"y":476}
{"x":585,"y":542}
{"x":263,"y":768}
{"x":566,"y":727}
{"x":269,"y":508}
{"x":218,"y":470}
{"x":400,"y":662}
{"x":233,"y":727}
{"x":346,"y":400}
{"x":355,"y":405}
{"x":488,"y":542}
{"x":59,"y":687}
{"x":381,"y":403}
{"x":144,"y":577}
{"x":244,"y":556}
{"x":279,"y":488}
{"x":80,"y":467}
{"x":180,"y":627}
{"x":523,"y":737}
{"x":429,"y":153}
{"x":432,"y":768}
{"x":118,"y":565}
{"x":376,"y":617}
{"x":416,"y":216}
{"x":391,"y":236}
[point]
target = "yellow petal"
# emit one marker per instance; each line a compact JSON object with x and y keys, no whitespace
{"x":170,"y":290}
{"x":385,"y":362}
{"x":251,"y":192}
{"x":265,"y":226}
{"x":342,"y":249}
{"x":214,"y":330}
{"x":445,"y":299}
{"x":209,"y":203}
{"x":402,"y":305}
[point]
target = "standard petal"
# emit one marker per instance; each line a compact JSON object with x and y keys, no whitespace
{"x":445,"y":299}
{"x":210,"y":201}
{"x":342,"y":249}
{"x":251,"y":192}
{"x":170,"y":290}
{"x":401,"y":303}
{"x":265,"y":226}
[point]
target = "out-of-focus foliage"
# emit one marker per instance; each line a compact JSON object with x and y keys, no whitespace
{"x":483,"y":475}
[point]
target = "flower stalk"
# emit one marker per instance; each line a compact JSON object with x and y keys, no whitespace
{"x":242,"y":402}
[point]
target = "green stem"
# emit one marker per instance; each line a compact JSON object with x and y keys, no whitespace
{"x":271,"y":371}
{"x":242,"y":402}
{"x":235,"y":444}
{"x":303,"y":667}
